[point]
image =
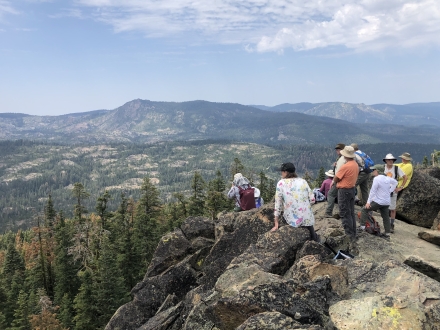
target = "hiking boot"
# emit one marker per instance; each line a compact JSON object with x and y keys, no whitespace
{"x":336,"y":216}
{"x":392,"y":229}
{"x":328,"y":215}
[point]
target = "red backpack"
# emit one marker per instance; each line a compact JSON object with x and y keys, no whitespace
{"x":371,"y":226}
{"x":247,"y":199}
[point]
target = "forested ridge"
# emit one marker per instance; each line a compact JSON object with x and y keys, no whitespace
{"x":30,"y":171}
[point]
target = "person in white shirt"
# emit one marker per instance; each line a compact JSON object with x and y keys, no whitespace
{"x":379,"y":199}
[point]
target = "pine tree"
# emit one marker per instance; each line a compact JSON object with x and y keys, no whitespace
{"x":197,"y":199}
{"x":66,"y":312}
{"x":85,"y":304}
{"x":236,"y":167}
{"x":425,"y":162}
{"x":146,"y":231}
{"x":101,"y":208}
{"x":66,"y":281}
{"x":121,"y":234}
{"x":110,"y":287}
{"x":13,"y":276}
{"x":21,"y":314}
{"x":216,"y":199}
{"x":320,"y":178}
{"x":309,"y":179}
{"x":182,"y":205}
{"x":80,"y":193}
{"x":49,"y":214}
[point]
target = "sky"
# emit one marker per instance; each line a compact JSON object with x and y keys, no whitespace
{"x":68,"y":56}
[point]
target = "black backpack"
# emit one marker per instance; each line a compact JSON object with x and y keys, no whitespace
{"x":247,"y":199}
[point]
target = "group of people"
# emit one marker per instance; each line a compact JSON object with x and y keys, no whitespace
{"x":382,"y":197}
{"x":293,"y":197}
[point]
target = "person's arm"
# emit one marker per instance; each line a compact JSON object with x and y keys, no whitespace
{"x":232,"y":192}
{"x":400,"y":187}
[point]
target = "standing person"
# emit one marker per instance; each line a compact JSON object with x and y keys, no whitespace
{"x":333,"y":192}
{"x":364,"y":174}
{"x":407,"y":168}
{"x":240,"y":182}
{"x":294,"y":197}
{"x":379,"y":199}
{"x":345,"y":180}
{"x":327,"y":183}
{"x":394,"y":172}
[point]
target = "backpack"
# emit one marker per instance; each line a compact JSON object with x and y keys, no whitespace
{"x":367,"y":162}
{"x":319,"y":196}
{"x":247,"y":199}
{"x":371,"y":226}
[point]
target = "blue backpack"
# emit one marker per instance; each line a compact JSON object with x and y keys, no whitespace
{"x":367,"y":162}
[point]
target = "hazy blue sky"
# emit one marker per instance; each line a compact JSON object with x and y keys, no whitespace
{"x":68,"y":56}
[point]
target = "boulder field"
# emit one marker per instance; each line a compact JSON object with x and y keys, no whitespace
{"x":233,"y":273}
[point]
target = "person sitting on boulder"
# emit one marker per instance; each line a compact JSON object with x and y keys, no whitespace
{"x":240,"y":182}
{"x":394,"y":172}
{"x":327,"y":183}
{"x":407,"y":168}
{"x":294,"y":197}
{"x":379,"y":199}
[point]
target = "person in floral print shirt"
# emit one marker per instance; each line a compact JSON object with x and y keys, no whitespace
{"x":294,"y":197}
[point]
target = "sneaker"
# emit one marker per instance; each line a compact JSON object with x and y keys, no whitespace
{"x":386,"y":236}
{"x":328,"y":215}
{"x":336,"y":216}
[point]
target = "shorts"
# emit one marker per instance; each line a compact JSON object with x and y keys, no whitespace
{"x":393,"y":201}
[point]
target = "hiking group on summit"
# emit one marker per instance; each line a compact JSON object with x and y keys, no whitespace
{"x":353,"y":168}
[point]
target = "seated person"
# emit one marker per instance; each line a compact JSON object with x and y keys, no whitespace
{"x":239,"y":182}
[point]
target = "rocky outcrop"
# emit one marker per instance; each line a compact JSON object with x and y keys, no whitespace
{"x":430,"y":236}
{"x":233,"y":273}
{"x":419,"y":203}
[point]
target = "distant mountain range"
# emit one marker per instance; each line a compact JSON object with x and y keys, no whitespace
{"x":413,"y":114}
{"x":145,"y":121}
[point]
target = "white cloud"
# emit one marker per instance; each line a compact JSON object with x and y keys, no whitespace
{"x":274,"y":25}
{"x":6,"y":9}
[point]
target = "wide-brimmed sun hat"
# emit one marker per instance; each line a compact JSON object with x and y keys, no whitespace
{"x":340,"y":146}
{"x":330,"y":173}
{"x":348,"y":152}
{"x":406,"y":156}
{"x":389,"y":156}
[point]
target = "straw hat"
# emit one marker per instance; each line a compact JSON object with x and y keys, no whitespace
{"x":330,"y":173}
{"x":389,"y":156}
{"x":348,"y":152}
{"x":406,"y":156}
